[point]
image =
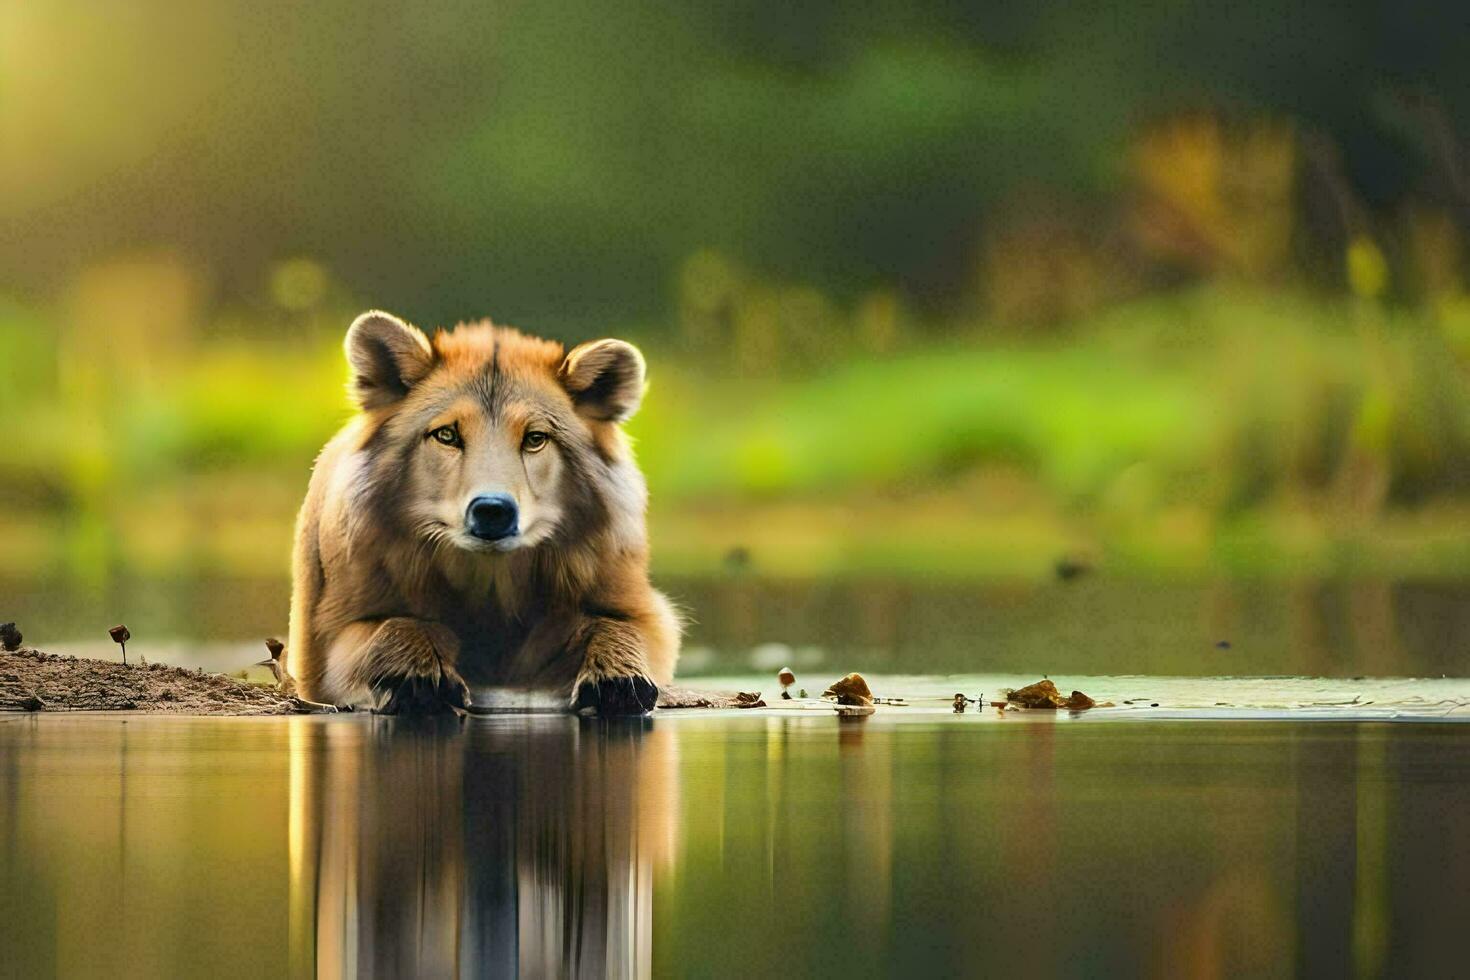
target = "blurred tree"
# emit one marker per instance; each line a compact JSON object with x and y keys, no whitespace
{"x":554,"y":162}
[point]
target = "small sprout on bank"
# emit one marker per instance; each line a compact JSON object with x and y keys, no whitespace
{"x":121,"y":636}
{"x":277,"y":663}
{"x":787,"y":678}
{"x":10,"y":637}
{"x":801,"y":694}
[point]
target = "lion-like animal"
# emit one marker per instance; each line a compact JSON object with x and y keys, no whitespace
{"x":481,"y":520}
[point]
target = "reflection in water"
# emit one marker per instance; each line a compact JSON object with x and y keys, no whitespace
{"x":730,"y":844}
{"x":502,"y":845}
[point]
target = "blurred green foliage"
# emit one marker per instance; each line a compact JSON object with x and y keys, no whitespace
{"x":923,"y":285}
{"x":551,"y":162}
{"x":1166,"y":422}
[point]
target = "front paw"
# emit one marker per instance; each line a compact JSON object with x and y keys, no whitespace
{"x":615,"y":696}
{"x":438,"y":691}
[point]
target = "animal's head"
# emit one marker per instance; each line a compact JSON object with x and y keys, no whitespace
{"x":491,"y":440}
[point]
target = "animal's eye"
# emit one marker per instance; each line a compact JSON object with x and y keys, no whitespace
{"x":534,"y":441}
{"x":446,"y":434}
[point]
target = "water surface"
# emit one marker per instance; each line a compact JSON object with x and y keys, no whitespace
{"x":1097,"y":624}
{"x":1306,"y":821}
{"x":732,"y":844}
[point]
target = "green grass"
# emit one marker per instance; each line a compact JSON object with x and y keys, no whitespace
{"x":1240,"y":429}
{"x":1226,"y":400}
{"x":1072,"y":417}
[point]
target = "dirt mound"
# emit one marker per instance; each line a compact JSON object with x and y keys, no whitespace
{"x":680,"y":697}
{"x":34,"y":681}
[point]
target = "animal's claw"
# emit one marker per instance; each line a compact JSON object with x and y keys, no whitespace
{"x":615,"y":696}
{"x":418,"y":694}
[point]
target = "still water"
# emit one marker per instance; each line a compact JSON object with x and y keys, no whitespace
{"x":732,"y":844}
{"x":1097,"y":624}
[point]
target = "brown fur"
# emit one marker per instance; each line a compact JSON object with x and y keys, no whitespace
{"x":394,"y":600}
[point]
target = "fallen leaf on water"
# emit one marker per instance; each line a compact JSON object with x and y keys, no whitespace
{"x":749,"y":699}
{"x":1044,"y":694}
{"x":851,"y":690}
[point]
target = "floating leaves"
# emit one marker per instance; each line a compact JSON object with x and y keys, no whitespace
{"x":851,"y":690}
{"x":1044,"y":694}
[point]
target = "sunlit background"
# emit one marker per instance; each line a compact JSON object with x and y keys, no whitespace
{"x":1026,"y":338}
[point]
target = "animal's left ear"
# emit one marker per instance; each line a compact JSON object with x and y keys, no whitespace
{"x":605,"y":379}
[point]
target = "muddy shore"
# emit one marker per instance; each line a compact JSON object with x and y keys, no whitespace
{"x":32,"y":680}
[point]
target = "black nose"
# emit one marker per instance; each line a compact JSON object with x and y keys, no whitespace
{"x":492,"y":516}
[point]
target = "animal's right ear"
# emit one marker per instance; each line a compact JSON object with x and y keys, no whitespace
{"x":388,"y":357}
